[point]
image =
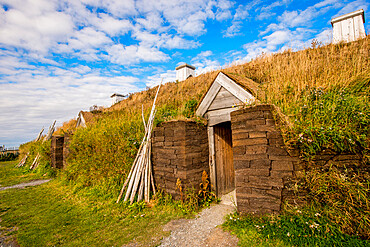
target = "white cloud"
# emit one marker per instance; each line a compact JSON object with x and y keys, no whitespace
{"x":204,"y":63}
{"x":152,"y":22}
{"x":35,"y":100}
{"x":278,"y":38}
{"x":81,"y":69}
{"x":26,"y":28}
{"x":204,"y":54}
{"x":278,"y":41}
{"x":112,"y":26}
{"x":224,"y":10}
{"x":241,"y":14}
{"x":255,"y":49}
{"x":267,"y":12}
{"x":353,"y":6}
{"x":126,"y":55}
{"x":87,"y":38}
{"x":188,"y":16}
{"x":178,"y":43}
{"x":164,"y":77}
{"x":234,"y":29}
{"x":305,"y":17}
{"x":118,"y":8}
{"x":325,"y":37}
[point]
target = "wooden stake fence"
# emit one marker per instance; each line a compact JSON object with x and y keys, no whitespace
{"x":24,"y":159}
{"x":51,"y":130}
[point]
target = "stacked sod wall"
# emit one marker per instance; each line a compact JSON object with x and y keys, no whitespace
{"x":179,"y":151}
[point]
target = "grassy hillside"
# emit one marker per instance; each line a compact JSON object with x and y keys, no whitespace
{"x":323,"y":90}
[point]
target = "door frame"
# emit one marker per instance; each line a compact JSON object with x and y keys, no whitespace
{"x":212,"y":158}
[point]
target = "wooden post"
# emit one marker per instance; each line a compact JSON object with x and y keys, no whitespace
{"x":212,"y":158}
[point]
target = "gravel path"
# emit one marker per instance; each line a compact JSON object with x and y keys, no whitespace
{"x":202,"y":230}
{"x":24,"y":185}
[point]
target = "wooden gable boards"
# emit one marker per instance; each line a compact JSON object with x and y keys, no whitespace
{"x":81,"y":120}
{"x":223,"y":97}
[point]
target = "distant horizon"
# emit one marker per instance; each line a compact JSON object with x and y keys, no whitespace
{"x":58,"y":57}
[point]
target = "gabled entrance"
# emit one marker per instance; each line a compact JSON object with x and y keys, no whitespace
{"x":224,"y":96}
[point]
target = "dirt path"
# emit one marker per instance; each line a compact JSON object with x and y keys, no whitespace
{"x":24,"y":185}
{"x":203,"y":230}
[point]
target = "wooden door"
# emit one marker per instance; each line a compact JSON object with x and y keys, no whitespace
{"x":225,"y":174}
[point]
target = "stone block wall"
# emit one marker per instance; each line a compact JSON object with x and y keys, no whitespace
{"x":263,"y":167}
{"x":66,"y":150}
{"x":179,"y":150}
{"x":57,"y":151}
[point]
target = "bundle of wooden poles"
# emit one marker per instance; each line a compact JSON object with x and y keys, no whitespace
{"x":140,"y":178}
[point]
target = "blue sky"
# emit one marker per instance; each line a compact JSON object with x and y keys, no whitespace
{"x":58,"y":57}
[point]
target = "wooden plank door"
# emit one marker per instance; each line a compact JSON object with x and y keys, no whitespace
{"x":225,"y":174}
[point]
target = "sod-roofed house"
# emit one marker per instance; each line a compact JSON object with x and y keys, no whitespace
{"x":84,"y":118}
{"x":241,"y":148}
{"x":60,"y":143}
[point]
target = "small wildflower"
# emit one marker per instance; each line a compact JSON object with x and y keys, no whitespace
{"x":314,"y":225}
{"x":299,"y":211}
{"x":317,"y":214}
{"x":288,"y":234}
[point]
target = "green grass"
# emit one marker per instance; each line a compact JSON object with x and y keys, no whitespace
{"x":295,"y":227}
{"x":62,"y":213}
{"x":53,"y":214}
{"x":9,"y":175}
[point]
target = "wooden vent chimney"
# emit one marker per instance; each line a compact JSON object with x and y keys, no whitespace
{"x":349,"y":27}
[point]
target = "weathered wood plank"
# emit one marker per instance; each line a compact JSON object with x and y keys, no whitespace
{"x":219,"y":116}
{"x":208,"y":98}
{"x":234,"y":88}
{"x":224,"y":99}
{"x":212,"y":168}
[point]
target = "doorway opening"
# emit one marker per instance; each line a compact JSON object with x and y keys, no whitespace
{"x":225,"y":174}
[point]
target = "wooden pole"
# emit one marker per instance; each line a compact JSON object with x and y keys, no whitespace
{"x":142,"y":114}
{"x":137,"y":178}
{"x":130,"y":173}
{"x":132,"y":179}
{"x":39,"y":135}
{"x":141,"y":188}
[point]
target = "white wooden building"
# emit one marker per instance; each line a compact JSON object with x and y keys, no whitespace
{"x":117,"y":98}
{"x":349,"y":27}
{"x":184,"y":71}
